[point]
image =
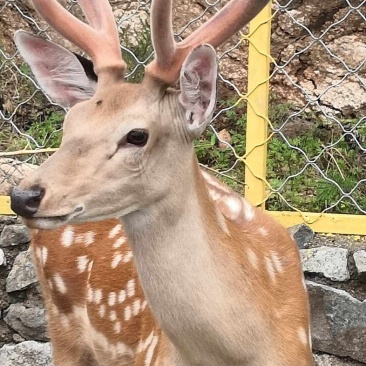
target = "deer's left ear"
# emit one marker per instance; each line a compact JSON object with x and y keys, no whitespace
{"x":198,"y":79}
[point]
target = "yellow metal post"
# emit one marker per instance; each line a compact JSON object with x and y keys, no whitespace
{"x":5,"y":206}
{"x":258,"y":98}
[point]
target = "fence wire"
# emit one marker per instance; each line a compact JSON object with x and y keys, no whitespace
{"x":316,"y":149}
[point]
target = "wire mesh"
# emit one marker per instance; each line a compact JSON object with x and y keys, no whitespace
{"x":316,"y":150}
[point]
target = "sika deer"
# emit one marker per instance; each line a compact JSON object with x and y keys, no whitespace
{"x":225,"y":289}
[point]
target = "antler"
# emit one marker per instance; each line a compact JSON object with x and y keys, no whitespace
{"x":169,"y":55}
{"x":99,"y":40}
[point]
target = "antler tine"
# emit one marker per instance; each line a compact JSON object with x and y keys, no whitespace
{"x":100,"y":40}
{"x":169,"y":55}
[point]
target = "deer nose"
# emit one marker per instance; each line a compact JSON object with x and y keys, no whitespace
{"x":25,"y":203}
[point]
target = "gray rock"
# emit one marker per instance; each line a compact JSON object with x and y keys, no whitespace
{"x":30,"y":323}
{"x":2,"y":258}
{"x":360,"y":262}
{"x":14,"y":235}
{"x":302,"y":234}
{"x":338,"y":322}
{"x":7,"y":220}
{"x":23,"y":273}
{"x":330,"y":262}
{"x":17,"y":338}
{"x":27,"y":353}
{"x":330,"y":360}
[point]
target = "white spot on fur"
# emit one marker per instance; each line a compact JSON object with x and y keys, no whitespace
{"x":136,"y":307}
{"x":112,"y":316}
{"x":253,"y":259}
{"x":39,"y":254}
{"x":270,"y":269}
{"x":102,"y":310}
{"x":116,"y":259}
{"x":119,"y":242}
{"x":304,"y":283}
{"x":144,"y":304}
{"x":127,"y":257}
{"x":64,"y":320}
{"x":67,"y":236}
{"x":263,"y":231}
{"x":60,"y":284}
{"x":98,"y":295}
{"x":89,"y":238}
{"x":144,"y":344}
{"x":214,"y":194}
{"x":310,"y":340}
{"x":112,"y":298}
{"x":128,"y":312}
{"x":131,"y":288}
{"x":249,"y":211}
{"x":302,"y":336}
{"x":122,"y":296}
{"x":90,"y":295}
{"x":276,"y":262}
{"x":115,"y":231}
{"x":234,"y":206}
{"x":90,"y":266}
{"x":150,"y":351}
{"x":82,"y":263}
{"x":44,"y":255}
{"x":117,"y":327}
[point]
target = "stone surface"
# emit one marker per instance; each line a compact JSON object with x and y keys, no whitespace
{"x":27,"y":353}
{"x":14,"y":235}
{"x":329,"y":262}
{"x":7,"y":220}
{"x":338,"y":322}
{"x":360,"y":262}
{"x":30,"y":323}
{"x":23,"y":273}
{"x":2,"y":258}
{"x":302,"y":234}
{"x":329,"y":360}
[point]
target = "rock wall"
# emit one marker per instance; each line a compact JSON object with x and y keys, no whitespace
{"x":336,"y":283}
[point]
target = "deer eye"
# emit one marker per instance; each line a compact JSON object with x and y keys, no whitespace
{"x":137,"y":137}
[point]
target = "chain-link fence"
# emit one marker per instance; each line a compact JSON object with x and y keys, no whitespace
{"x":297,"y":146}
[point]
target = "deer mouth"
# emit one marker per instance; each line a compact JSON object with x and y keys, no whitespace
{"x":52,"y":222}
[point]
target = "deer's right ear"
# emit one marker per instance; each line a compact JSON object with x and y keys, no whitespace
{"x":58,"y":71}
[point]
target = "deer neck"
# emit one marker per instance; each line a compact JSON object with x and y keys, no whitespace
{"x":173,"y":254}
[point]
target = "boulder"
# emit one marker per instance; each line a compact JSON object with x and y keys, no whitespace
{"x":302,"y":234}
{"x":27,"y":353}
{"x":330,"y":262}
{"x":23,"y":273}
{"x":14,"y":235}
{"x":360,"y":262}
{"x":338,"y":322}
{"x":30,"y":323}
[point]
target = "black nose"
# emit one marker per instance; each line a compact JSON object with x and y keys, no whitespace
{"x":25,"y":203}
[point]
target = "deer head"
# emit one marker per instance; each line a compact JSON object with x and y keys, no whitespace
{"x":124,"y":145}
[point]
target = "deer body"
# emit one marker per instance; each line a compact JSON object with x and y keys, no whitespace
{"x":223,"y":280}
{"x":227,"y":290}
